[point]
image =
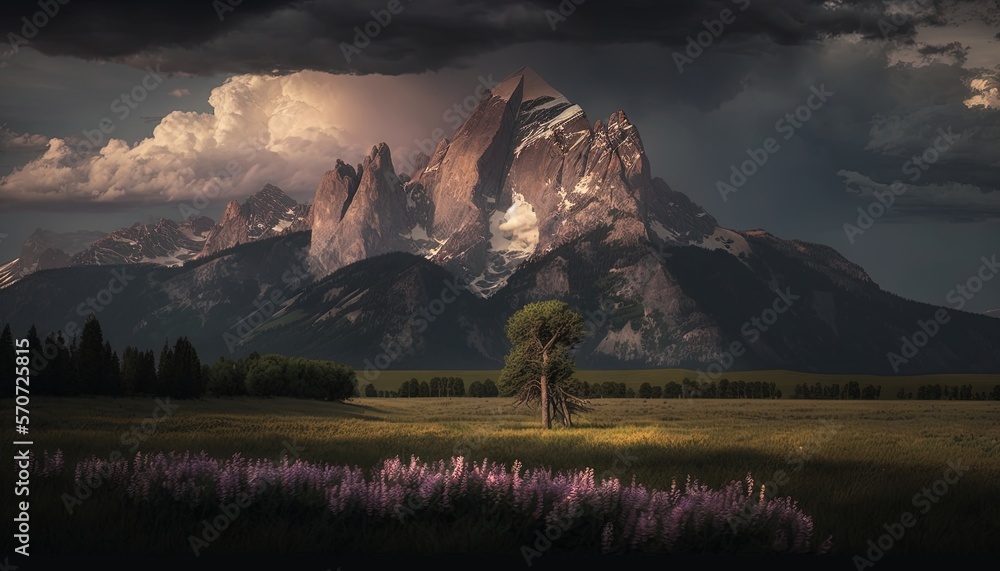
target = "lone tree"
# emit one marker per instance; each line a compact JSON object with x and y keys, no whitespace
{"x":539,"y":368}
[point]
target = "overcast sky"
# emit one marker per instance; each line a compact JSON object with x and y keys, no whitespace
{"x":276,"y":93}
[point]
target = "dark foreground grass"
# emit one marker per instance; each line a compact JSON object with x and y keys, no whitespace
{"x":853,"y":466}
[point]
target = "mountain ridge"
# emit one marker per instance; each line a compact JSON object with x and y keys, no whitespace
{"x":528,"y":201}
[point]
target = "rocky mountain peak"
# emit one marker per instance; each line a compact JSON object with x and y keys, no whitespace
{"x":268,"y":212}
{"x":523,"y":175}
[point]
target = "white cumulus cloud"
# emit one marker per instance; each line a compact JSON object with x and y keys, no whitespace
{"x":285,"y":130}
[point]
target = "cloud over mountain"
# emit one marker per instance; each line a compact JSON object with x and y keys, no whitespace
{"x":264,"y":129}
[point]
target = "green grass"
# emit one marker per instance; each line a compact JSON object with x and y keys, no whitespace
{"x":863,"y":476}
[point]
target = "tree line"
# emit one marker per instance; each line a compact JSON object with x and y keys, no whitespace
{"x":90,"y":366}
{"x":453,"y":387}
{"x":937,"y":392}
{"x":436,"y":387}
{"x":850,"y":391}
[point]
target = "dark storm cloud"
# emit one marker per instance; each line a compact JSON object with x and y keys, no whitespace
{"x":205,"y":37}
{"x":923,"y":135}
{"x":954,"y":49}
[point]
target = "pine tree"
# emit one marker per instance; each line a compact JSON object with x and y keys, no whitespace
{"x":165,"y":372}
{"x":111,"y":382}
{"x":91,"y":361}
{"x":186,"y":370}
{"x":147,"y":381}
{"x":62,"y":376}
{"x":8,"y":363}
{"x":130,"y":370}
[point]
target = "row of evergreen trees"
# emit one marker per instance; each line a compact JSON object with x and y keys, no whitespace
{"x":850,"y":391}
{"x":937,"y":392}
{"x":725,"y":389}
{"x":88,"y":365}
{"x":437,"y":387}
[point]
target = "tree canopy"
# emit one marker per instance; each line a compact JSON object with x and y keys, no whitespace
{"x":539,"y":368}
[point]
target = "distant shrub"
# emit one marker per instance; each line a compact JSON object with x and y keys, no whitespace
{"x":277,"y":375}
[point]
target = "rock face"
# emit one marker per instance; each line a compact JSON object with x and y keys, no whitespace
{"x":268,"y":213}
{"x":360,"y":213}
{"x":526,"y":173}
{"x":166,"y":242}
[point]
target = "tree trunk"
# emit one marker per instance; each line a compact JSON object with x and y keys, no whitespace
{"x":567,"y":420}
{"x":544,"y":383}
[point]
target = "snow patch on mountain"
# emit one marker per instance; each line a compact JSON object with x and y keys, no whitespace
{"x":513,"y":238}
{"x":727,"y":240}
{"x":543,"y":128}
{"x":521,"y":224}
{"x":662,"y":232}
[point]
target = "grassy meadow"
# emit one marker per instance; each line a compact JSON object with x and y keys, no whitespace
{"x":852,"y":465}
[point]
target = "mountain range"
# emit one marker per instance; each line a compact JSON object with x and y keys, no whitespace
{"x":269,"y":212}
{"x":527,"y":201}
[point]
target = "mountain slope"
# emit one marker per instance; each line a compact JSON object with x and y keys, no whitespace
{"x":646,"y":307}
